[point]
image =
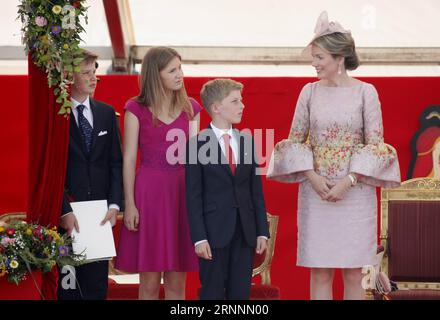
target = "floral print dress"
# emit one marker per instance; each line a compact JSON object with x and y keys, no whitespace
{"x":335,"y":131}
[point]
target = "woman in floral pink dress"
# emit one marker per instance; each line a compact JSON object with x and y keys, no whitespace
{"x":336,"y":151}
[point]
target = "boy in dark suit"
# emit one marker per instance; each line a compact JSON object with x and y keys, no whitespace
{"x":226,"y":210}
{"x":94,"y":172}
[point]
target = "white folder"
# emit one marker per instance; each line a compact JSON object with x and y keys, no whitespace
{"x":93,"y":240}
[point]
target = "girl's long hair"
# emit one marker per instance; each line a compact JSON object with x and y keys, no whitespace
{"x":152,"y":92}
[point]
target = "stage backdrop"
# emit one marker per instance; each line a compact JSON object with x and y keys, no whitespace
{"x":270,"y":103}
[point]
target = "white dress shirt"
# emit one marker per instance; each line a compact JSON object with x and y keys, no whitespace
{"x":234,"y":145}
{"x":87,"y":112}
{"x":233,"y":140}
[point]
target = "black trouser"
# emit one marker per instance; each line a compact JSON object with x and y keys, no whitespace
{"x":229,"y":274}
{"x":91,"y":282}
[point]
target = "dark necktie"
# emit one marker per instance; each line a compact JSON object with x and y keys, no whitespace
{"x":85,"y":127}
{"x":229,"y":153}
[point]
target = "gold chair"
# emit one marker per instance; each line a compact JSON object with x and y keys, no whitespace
{"x":410,"y":234}
{"x":10,"y":216}
{"x":262,"y":265}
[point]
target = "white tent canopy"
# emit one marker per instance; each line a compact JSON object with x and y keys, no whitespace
{"x":263,"y":24}
{"x":283,"y":23}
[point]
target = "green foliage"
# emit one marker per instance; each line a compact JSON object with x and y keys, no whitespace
{"x":50,"y":33}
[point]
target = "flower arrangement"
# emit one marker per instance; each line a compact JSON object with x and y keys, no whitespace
{"x":50,"y":33}
{"x":25,"y":247}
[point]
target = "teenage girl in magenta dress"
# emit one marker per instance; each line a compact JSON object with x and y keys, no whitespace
{"x":162,"y":242}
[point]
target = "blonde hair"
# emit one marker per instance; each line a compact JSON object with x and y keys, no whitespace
{"x":152,"y":92}
{"x":216,"y":90}
{"x":340,"y":45}
{"x":88,"y":56}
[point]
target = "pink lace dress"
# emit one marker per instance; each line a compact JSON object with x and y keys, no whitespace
{"x":335,"y":131}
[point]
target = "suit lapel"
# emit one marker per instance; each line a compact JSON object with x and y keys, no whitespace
{"x":97,"y":119}
{"x":241,"y":154}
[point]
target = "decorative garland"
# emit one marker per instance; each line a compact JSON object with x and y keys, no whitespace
{"x":50,"y":33}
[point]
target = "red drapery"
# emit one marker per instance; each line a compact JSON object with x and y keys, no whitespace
{"x":48,"y":143}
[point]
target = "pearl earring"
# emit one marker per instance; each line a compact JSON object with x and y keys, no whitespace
{"x":339,"y":70}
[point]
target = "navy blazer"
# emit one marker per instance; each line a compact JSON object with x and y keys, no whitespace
{"x":98,"y":175}
{"x":215,"y":196}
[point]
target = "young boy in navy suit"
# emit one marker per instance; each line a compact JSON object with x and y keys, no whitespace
{"x":227,"y":214}
{"x":94,"y":172}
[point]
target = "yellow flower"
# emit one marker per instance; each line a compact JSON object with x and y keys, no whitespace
{"x":56,"y":9}
{"x":66,"y":46}
{"x":55,"y":235}
{"x":13,"y":264}
{"x":2,"y":229}
{"x":44,"y":39}
{"x":2,"y":272}
{"x":28,"y":232}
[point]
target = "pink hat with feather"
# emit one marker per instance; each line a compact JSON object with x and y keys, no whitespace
{"x":324,"y":27}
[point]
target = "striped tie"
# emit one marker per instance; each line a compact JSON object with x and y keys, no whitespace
{"x":85,"y":127}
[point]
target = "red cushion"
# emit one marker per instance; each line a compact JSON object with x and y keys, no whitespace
{"x":415,"y":294}
{"x":122,"y":291}
{"x":265,"y":292}
{"x":259,"y":259}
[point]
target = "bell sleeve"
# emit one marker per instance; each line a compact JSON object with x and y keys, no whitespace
{"x":375,"y":162}
{"x":293,"y":156}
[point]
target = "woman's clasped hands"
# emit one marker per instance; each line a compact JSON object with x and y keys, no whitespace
{"x":327,"y":189}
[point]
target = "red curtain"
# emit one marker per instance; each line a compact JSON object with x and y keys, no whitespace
{"x":48,"y":146}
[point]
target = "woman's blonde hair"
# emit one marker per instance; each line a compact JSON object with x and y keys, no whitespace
{"x":152,"y":92}
{"x":340,"y":45}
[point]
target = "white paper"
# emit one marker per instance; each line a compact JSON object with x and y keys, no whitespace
{"x":94,"y":240}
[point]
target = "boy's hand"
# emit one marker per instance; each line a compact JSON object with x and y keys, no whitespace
{"x":261,"y":245}
{"x":68,"y":222}
{"x":110,"y":216}
{"x":203,"y":250}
